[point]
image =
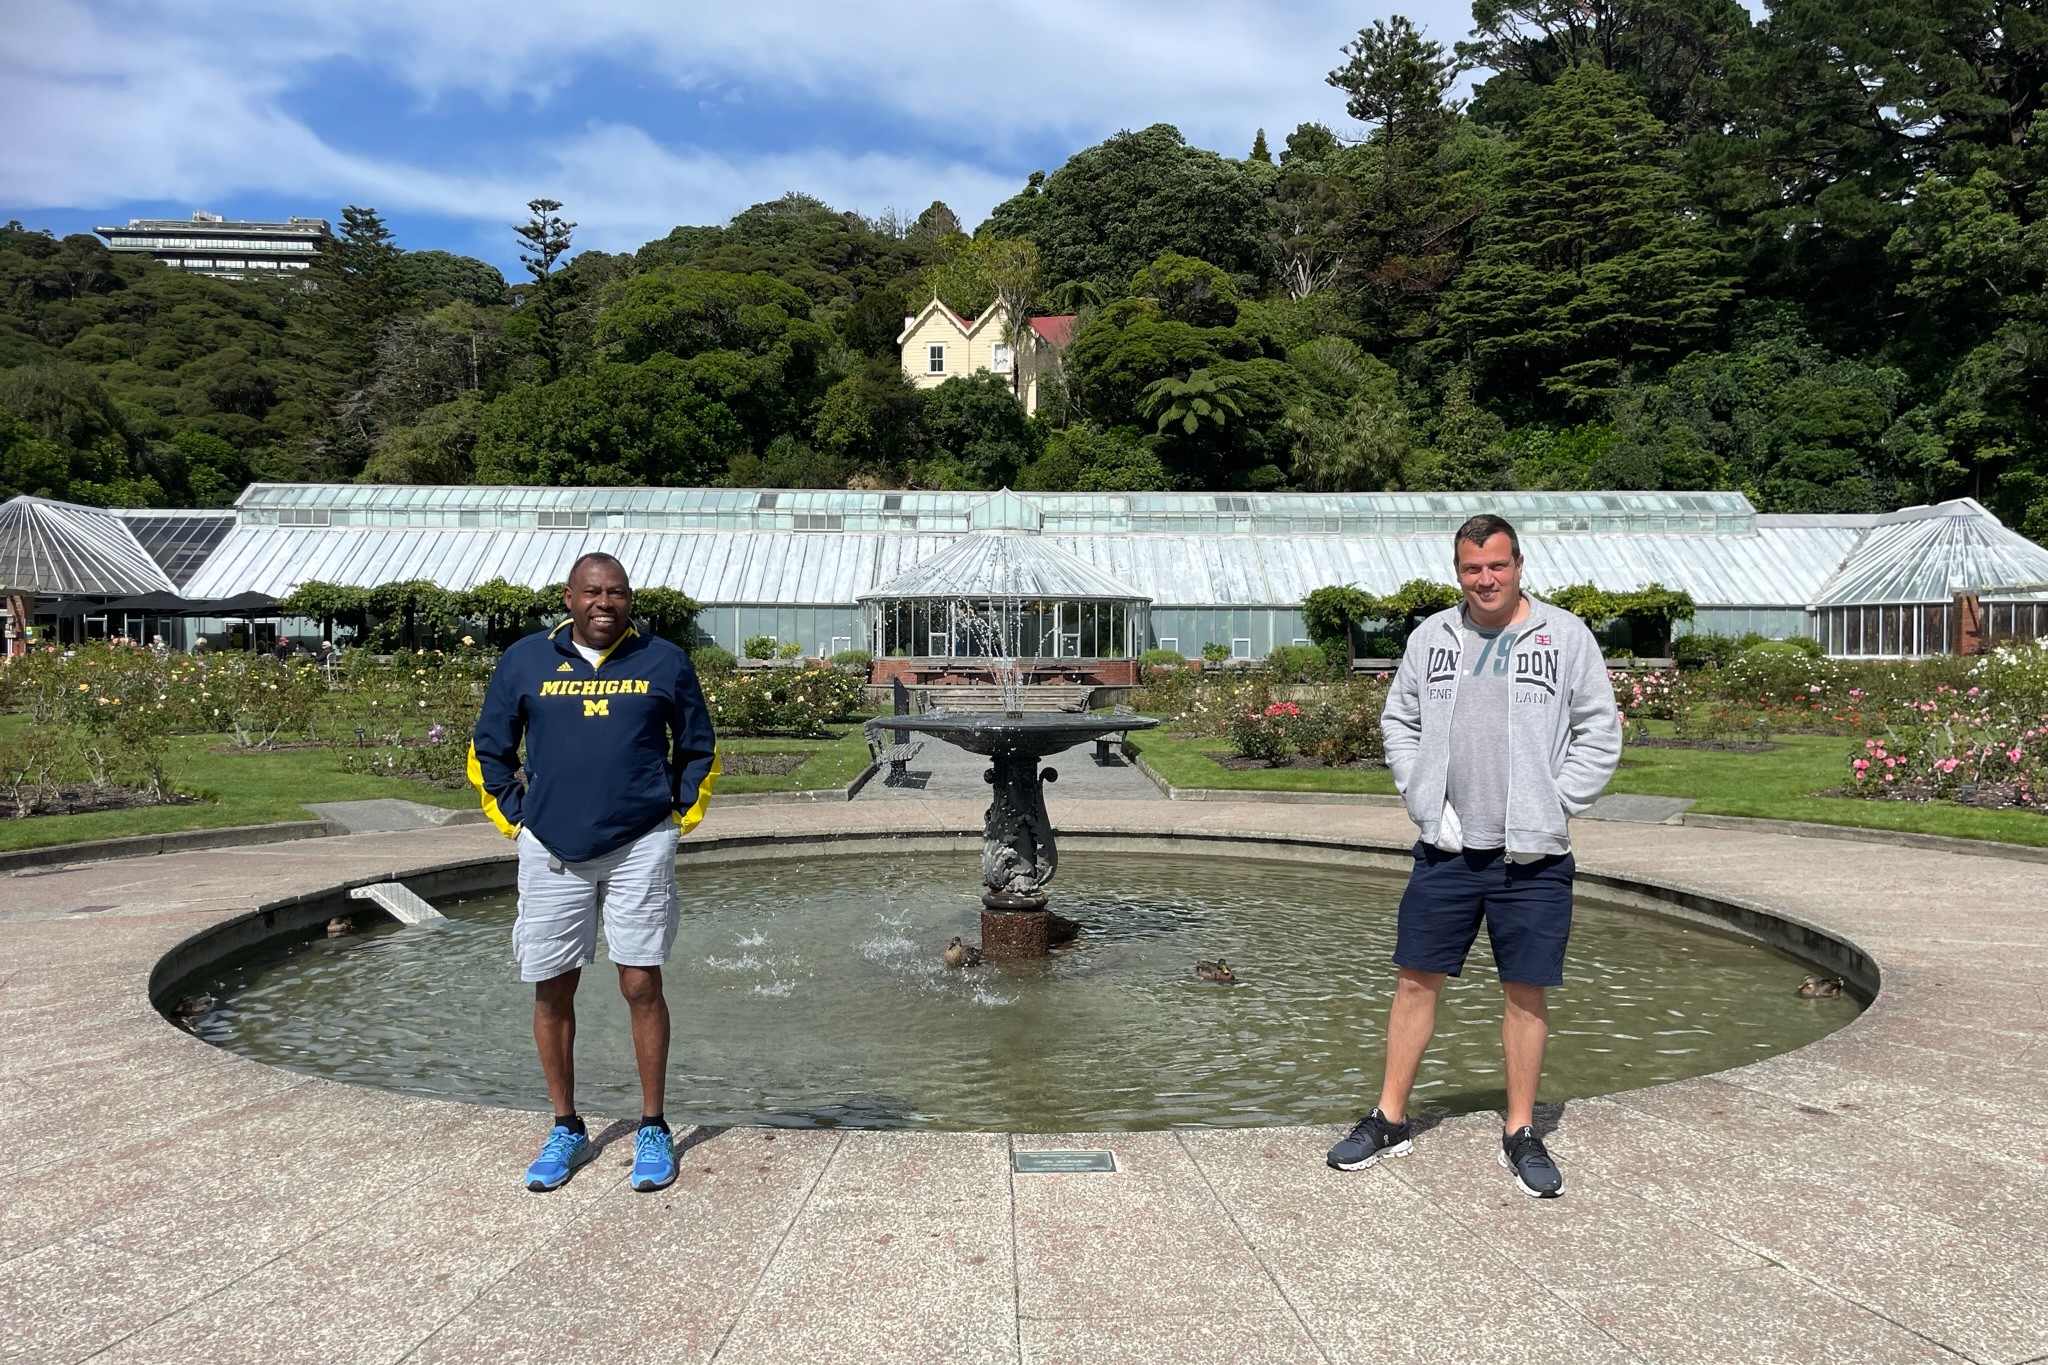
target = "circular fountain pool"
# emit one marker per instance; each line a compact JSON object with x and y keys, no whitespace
{"x":811,"y":992}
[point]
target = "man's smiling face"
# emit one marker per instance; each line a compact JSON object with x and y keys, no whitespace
{"x":600,"y":603}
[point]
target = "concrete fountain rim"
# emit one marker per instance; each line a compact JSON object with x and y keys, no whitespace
{"x":1768,"y":925}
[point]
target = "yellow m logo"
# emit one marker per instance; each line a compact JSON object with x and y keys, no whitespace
{"x":600,"y":707}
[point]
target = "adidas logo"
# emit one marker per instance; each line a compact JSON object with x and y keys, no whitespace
{"x":566,"y":667}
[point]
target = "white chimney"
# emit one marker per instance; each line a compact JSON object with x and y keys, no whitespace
{"x":909,"y":321}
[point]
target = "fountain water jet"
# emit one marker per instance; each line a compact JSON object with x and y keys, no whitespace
{"x":1018,"y":853}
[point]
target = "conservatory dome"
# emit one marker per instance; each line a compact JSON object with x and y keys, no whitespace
{"x":1006,"y":592}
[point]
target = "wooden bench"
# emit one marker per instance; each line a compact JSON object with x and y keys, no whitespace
{"x":897,"y":757}
{"x":1103,"y":742}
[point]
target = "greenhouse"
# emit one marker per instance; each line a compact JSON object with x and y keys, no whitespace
{"x":1006,"y":594}
{"x":1934,"y":580}
{"x":1057,"y":576}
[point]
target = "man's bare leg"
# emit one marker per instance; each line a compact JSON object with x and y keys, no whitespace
{"x":642,"y":988}
{"x":1524,"y":1029}
{"x":1410,"y":1025}
{"x":554,"y":1033}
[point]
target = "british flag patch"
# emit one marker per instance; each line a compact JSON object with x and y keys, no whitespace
{"x":1543,"y":639}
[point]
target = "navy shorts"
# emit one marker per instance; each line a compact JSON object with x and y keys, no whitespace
{"x":1527,"y":908}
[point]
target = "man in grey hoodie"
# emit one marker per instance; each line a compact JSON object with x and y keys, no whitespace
{"x":1500,"y":725}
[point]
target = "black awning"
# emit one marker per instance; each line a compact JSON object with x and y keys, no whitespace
{"x":151,"y":604}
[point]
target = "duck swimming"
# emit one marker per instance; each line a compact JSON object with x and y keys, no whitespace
{"x":960,"y":954}
{"x":340,"y":927}
{"x":1219,"y":970}
{"x":1818,"y":988}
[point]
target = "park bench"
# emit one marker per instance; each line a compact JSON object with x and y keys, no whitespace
{"x":1103,"y":742}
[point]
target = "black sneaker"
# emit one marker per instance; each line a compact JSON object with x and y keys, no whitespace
{"x":1371,"y":1138}
{"x":1535,"y":1173}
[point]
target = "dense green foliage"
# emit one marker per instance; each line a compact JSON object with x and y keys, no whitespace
{"x":1665,"y":246}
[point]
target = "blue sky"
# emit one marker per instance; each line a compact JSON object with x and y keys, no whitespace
{"x":449,"y":116}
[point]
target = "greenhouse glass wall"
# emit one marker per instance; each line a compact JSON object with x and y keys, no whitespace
{"x":1926,"y":580}
{"x":1107,"y":574}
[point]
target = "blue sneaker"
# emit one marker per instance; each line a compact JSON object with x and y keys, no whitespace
{"x":654,"y":1159}
{"x":559,"y":1157}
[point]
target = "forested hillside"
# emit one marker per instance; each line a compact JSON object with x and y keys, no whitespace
{"x":1661,"y":247}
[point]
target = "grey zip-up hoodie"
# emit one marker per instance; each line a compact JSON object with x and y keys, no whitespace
{"x":1564,"y":732}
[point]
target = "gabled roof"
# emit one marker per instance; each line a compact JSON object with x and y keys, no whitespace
{"x":1930,"y":554}
{"x":59,"y":549}
{"x":1057,"y":331}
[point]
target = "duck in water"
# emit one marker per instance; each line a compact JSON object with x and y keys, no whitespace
{"x":1219,"y":970}
{"x":960,"y":954}
{"x":1816,"y":988}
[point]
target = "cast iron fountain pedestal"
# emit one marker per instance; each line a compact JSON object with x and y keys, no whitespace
{"x":1018,"y":854}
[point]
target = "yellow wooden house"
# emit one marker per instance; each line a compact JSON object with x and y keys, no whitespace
{"x":938,"y":344}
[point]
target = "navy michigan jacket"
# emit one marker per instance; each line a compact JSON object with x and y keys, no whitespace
{"x":612,"y":749}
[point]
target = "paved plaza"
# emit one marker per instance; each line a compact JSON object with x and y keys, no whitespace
{"x":1876,"y":1197}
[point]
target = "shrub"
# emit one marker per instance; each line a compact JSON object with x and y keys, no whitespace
{"x":1165,"y":658}
{"x":1949,"y":738}
{"x":791,"y":649}
{"x":1168,"y":693}
{"x":1647,"y":694}
{"x":1216,"y":652}
{"x":1726,"y":721}
{"x":853,"y":661}
{"x":1345,"y":726}
{"x":1268,"y":734}
{"x":1788,"y":678}
{"x":1704,"y":650}
{"x":713,"y":662}
{"x":783,"y":700}
{"x":759,"y":647}
{"x":1296,"y":664}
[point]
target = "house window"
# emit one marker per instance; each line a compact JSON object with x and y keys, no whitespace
{"x":1002,"y":358}
{"x":935,"y":359}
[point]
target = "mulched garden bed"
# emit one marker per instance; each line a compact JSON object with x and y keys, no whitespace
{"x":1722,"y":746}
{"x":92,"y":800}
{"x":1988,"y":796}
{"x":1237,"y":763}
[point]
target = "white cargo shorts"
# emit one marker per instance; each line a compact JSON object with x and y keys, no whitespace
{"x":559,"y":903}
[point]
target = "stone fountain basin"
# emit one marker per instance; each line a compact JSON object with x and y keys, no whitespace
{"x":1033,"y":734}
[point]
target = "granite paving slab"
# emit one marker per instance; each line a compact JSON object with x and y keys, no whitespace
{"x":1876,"y":1196}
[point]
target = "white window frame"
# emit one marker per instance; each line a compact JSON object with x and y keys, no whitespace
{"x":935,"y":358}
{"x":1000,"y":358}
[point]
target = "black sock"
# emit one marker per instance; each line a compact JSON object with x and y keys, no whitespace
{"x":573,"y":1122}
{"x":654,"y":1121}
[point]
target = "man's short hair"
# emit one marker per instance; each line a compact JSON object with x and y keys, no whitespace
{"x":598,"y":557}
{"x":1483,"y":528}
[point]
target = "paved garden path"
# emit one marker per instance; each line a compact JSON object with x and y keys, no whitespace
{"x":938,"y":771}
{"x":1879,"y":1196}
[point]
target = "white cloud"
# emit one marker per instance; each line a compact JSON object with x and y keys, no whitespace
{"x":188,"y":101}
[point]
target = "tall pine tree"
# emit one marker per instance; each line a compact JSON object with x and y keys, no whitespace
{"x":1588,"y":269}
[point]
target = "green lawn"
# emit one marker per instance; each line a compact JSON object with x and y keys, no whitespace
{"x":1771,"y":786}
{"x":1775,"y":786}
{"x":832,"y":763}
{"x":1185,"y":762}
{"x":264,"y":788}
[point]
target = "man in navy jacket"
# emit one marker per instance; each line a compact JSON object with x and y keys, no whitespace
{"x":620,"y":761}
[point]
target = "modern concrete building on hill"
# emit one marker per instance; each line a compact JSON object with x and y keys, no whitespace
{"x":212,"y":245}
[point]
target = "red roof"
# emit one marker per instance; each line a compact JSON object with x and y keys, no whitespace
{"x":1057,"y":331}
